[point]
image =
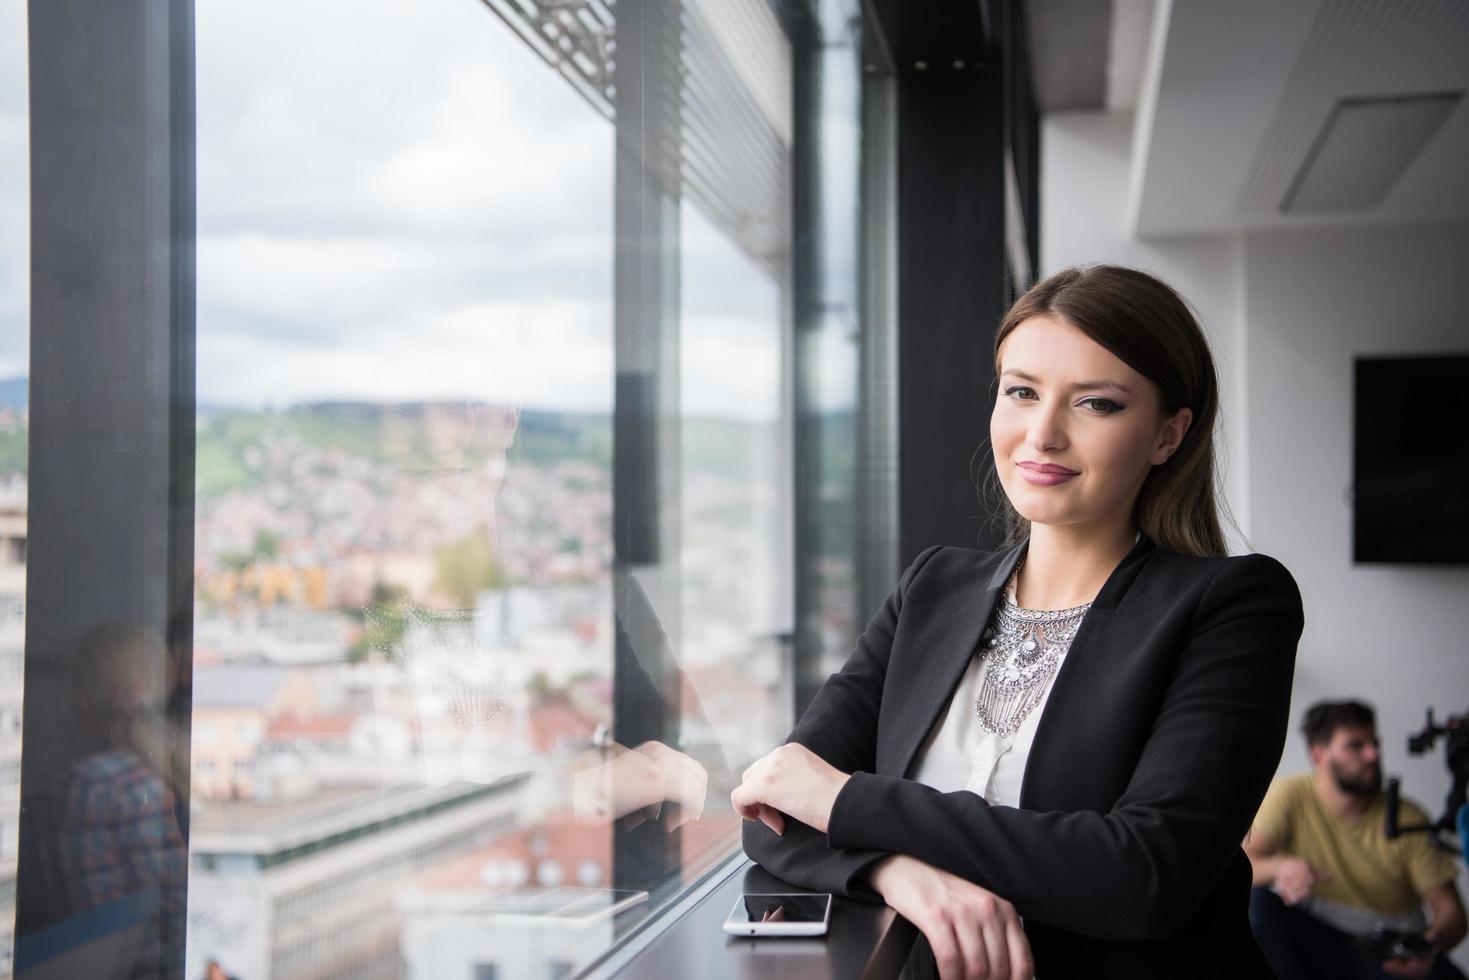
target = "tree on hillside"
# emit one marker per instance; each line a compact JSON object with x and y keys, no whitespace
{"x":467,"y":567}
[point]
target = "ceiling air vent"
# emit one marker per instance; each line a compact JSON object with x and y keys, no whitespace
{"x":1364,"y":147}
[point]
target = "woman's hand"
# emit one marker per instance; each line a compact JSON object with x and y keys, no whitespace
{"x":974,"y":933}
{"x":792,"y":780}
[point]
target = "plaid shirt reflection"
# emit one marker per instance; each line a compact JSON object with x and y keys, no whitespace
{"x":120,"y":834}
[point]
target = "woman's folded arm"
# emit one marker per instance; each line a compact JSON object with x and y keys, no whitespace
{"x":840,"y":726}
{"x":803,"y":856}
{"x":1141,"y":869}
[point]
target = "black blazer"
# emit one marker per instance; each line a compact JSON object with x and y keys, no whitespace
{"x":1161,"y":733}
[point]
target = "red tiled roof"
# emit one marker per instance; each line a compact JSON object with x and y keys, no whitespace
{"x":570,"y":842}
{"x":555,"y":721}
{"x":317,"y":726}
{"x":561,"y":837}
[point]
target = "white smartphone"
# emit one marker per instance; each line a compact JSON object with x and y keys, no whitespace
{"x":779,"y":915}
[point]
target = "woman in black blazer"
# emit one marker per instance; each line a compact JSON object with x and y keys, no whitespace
{"x":1162,"y":727}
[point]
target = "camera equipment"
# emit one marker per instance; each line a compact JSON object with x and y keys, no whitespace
{"x":1389,"y":944}
{"x":1455,"y":733}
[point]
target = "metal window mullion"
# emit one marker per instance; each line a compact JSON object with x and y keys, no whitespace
{"x":646,"y":682}
{"x":111,"y":465}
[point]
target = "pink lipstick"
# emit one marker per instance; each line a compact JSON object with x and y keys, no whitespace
{"x":1045,"y":474}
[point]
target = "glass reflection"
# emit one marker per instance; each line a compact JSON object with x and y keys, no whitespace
{"x":735,"y":538}
{"x":434,"y":724}
{"x":828,"y":332}
{"x":14,"y":428}
{"x":404,"y":611}
{"x":119,"y":829}
{"x":411,"y":638}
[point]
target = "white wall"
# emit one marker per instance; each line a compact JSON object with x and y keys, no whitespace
{"x":1285,"y":313}
{"x":1395,"y":635}
{"x":1085,"y":167}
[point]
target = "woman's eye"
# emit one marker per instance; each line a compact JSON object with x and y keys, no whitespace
{"x":1105,"y":406}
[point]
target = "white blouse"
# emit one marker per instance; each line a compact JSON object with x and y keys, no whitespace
{"x":959,"y":753}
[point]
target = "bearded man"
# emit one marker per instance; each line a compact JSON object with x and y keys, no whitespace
{"x":1325,"y":873}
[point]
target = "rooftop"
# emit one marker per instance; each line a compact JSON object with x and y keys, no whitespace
{"x":331,"y":815}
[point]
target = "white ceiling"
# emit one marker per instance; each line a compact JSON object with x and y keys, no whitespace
{"x":1233,"y":96}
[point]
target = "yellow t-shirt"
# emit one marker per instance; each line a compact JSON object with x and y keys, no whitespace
{"x":1368,"y":871}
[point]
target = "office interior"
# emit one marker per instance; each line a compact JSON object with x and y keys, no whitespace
{"x":444,"y":442}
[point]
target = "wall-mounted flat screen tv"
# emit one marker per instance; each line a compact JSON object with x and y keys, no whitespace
{"x":1411,"y":459}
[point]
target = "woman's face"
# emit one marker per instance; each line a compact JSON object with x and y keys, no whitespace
{"x":1067,"y":402}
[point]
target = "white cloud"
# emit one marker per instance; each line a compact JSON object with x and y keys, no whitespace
{"x":14,"y":191}
{"x":321,"y":288}
{"x":729,"y":367}
{"x":531,"y":354}
{"x":729,"y":337}
{"x":399,"y":200}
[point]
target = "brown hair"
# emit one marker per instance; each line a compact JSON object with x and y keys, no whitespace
{"x":1148,"y":326}
{"x":1325,"y":717}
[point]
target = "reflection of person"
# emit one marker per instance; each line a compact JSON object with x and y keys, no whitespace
{"x":119,"y":837}
{"x":648,"y":783}
{"x":619,"y":781}
{"x":1075,"y":729}
{"x":1325,"y":871}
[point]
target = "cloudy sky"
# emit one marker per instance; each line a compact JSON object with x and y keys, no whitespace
{"x":399,"y":200}
{"x":14,"y":178}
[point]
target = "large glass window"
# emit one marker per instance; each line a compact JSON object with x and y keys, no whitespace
{"x":419,"y":487}
{"x":14,"y":401}
{"x":445,"y":721}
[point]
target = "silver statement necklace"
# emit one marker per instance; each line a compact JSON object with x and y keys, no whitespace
{"x":1020,"y":649}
